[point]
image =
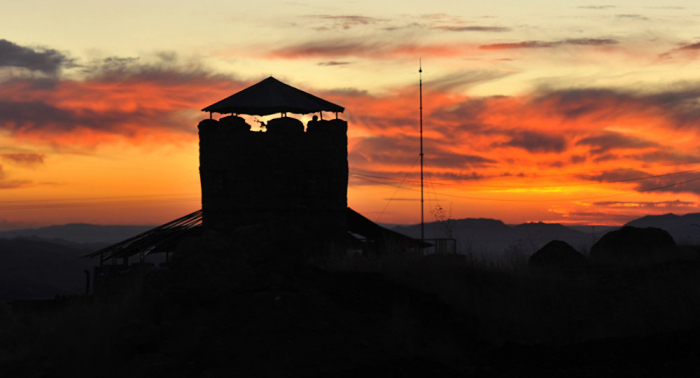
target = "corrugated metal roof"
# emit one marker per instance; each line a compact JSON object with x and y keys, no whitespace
{"x":160,"y":239}
{"x":272,"y":96}
{"x":166,"y":237}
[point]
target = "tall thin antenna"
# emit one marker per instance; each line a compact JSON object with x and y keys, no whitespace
{"x":422,"y":218}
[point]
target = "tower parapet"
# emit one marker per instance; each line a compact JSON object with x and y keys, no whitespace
{"x":285,"y":175}
{"x":253,"y":177}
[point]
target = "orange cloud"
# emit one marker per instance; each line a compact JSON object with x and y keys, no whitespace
{"x":539,"y":141}
{"x":134,"y":106}
{"x":6,"y":183}
{"x":548,"y":146}
{"x":24,"y":159}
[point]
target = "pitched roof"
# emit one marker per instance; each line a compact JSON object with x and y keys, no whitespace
{"x":160,"y":239}
{"x":272,"y":96}
{"x":166,"y":237}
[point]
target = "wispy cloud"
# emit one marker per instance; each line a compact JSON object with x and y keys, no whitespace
{"x":473,"y":28}
{"x":24,"y":159}
{"x":644,"y":182}
{"x":334,"y":63}
{"x":366,"y":48}
{"x":344,"y":22}
{"x":6,"y":183}
{"x":597,"y":6}
{"x":645,"y":204}
{"x":687,"y":50}
{"x":632,"y":17}
{"x":550,"y":44}
{"x":459,"y":80}
{"x":693,"y":46}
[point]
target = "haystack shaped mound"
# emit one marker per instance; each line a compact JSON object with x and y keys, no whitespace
{"x":557,"y":254}
{"x":633,"y":245}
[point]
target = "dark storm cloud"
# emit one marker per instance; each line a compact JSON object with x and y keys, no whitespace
{"x":535,"y":142}
{"x":550,"y":44}
{"x":48,"y":61}
{"x":607,"y":141}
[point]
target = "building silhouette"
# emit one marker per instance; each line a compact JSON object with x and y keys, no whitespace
{"x":288,"y":174}
{"x":288,"y":177}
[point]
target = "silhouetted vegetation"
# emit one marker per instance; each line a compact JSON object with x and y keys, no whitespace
{"x":222,"y":309}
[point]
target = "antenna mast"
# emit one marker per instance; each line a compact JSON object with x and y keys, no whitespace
{"x":422,"y":220}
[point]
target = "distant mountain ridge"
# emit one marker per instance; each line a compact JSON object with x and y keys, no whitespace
{"x":487,"y":238}
{"x":82,"y":233}
{"x":685,"y":229}
{"x":492,"y":239}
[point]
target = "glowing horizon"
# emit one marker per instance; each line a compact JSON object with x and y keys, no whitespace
{"x":572,"y":114}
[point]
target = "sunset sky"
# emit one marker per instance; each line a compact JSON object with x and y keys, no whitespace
{"x":574,"y":112}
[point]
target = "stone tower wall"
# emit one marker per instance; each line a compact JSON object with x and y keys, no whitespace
{"x":283,"y":175}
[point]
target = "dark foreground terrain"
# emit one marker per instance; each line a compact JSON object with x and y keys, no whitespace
{"x":220,"y":312}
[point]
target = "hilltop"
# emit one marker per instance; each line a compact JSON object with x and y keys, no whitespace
{"x":82,"y":233}
{"x":685,"y":229}
{"x":491,"y":239}
{"x":221,"y":310}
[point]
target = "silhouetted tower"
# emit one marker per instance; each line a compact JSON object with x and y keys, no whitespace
{"x":285,"y":175}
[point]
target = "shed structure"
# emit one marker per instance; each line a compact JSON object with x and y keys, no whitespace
{"x":287,"y":175}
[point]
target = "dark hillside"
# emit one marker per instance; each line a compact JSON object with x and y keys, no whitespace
{"x":221,"y":309}
{"x":492,"y":240}
{"x":80,"y":233}
{"x":37,"y":268}
{"x":685,"y":229}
